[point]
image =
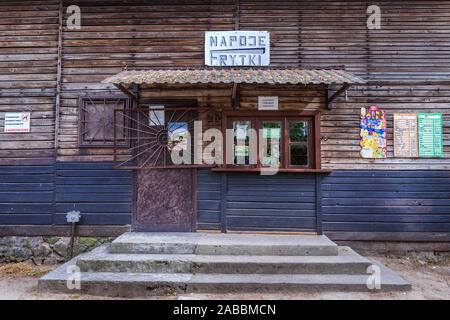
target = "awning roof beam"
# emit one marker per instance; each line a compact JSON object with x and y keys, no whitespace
{"x":332,"y":96}
{"x":127,"y":91}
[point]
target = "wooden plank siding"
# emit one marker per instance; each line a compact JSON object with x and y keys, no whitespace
{"x":396,"y":198}
{"x":28,"y":61}
{"x":353,"y":202}
{"x":26,"y":195}
{"x":42,"y":195}
{"x":102,"y":194}
{"x":410,"y":46}
{"x":118,"y":35}
{"x":386,"y":201}
{"x":283,"y":202}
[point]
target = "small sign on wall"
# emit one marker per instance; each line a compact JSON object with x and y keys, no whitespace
{"x":17,"y":122}
{"x":405,"y":135}
{"x":430,"y":134}
{"x":267,"y":103}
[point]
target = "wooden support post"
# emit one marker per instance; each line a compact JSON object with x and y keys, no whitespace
{"x":58,"y":75}
{"x":319,"y":203}
{"x":235,"y":97}
{"x":223,"y":202}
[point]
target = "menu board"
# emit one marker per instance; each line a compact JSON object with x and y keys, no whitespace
{"x":405,"y":135}
{"x":430,"y":134}
{"x":373,"y":133}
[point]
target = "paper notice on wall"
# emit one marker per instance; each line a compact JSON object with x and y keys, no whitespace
{"x":17,"y":122}
{"x":430,"y":134}
{"x":405,"y":135}
{"x":373,"y":133}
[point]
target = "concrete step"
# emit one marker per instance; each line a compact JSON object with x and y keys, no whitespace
{"x":101,"y":260}
{"x":145,"y":284}
{"x":224,"y":244}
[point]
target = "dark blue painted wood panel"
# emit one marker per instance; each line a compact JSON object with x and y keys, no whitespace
{"x":26,"y":219}
{"x":386,"y":201}
{"x":26,"y":194}
{"x":255,"y":202}
{"x":42,"y":195}
{"x":101,"y":193}
{"x":90,"y":218}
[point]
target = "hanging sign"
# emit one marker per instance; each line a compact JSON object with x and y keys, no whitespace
{"x":405,"y":135}
{"x":267,"y":103}
{"x":373,"y":133}
{"x":237,"y":48}
{"x":17,"y":122}
{"x":430,"y":135}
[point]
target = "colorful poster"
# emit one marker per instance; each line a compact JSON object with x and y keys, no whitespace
{"x":405,"y":135}
{"x":373,"y":133}
{"x":430,"y":135}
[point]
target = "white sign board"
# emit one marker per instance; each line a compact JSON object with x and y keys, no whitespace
{"x":267,"y":103}
{"x":237,"y":48}
{"x":17,"y":122}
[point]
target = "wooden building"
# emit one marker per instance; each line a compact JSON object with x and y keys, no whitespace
{"x":325,"y":65}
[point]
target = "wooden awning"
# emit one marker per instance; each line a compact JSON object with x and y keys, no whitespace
{"x":234,"y":76}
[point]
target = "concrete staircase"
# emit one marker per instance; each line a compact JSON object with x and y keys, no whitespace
{"x":141,"y":264}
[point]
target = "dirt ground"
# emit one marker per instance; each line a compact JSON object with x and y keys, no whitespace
{"x":429,"y":276}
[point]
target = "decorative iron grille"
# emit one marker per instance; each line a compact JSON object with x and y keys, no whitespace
{"x":96,"y":121}
{"x":155,"y":133}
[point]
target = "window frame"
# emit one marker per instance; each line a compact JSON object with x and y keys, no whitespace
{"x":285,"y":117}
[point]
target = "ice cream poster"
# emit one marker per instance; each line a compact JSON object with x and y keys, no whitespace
{"x":373,"y":133}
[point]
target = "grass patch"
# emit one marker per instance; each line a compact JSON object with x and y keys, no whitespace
{"x":23,"y":269}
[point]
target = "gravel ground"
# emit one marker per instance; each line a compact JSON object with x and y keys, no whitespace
{"x":429,"y":276}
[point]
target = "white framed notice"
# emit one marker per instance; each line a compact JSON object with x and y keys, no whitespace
{"x":267,"y":103}
{"x":17,"y":122}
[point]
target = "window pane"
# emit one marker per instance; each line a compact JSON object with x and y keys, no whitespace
{"x":271,"y":144}
{"x":298,"y":131}
{"x":241,"y":142}
{"x":177,"y":135}
{"x":241,"y":131}
{"x":299,"y":155}
{"x":155,"y":116}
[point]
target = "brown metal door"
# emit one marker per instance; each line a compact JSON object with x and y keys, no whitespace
{"x":164,"y":200}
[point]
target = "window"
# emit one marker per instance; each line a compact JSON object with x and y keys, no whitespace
{"x":96,"y":121}
{"x":289,"y":140}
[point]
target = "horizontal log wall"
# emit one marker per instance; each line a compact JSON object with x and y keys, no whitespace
{"x":28,"y":68}
{"x":410,"y":46}
{"x":340,"y":126}
{"x":134,"y":35}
